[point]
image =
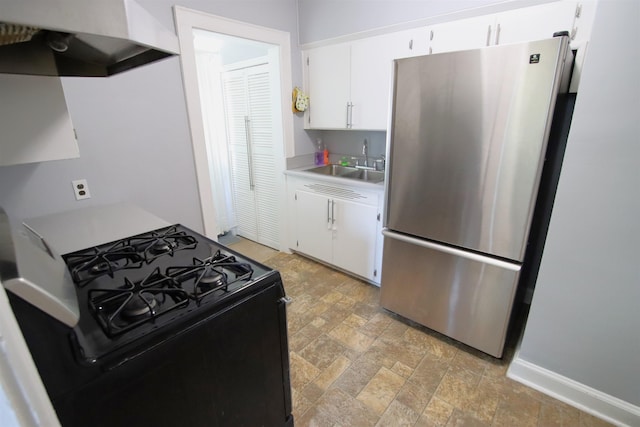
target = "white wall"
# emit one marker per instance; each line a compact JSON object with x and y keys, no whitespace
{"x":584,"y":322}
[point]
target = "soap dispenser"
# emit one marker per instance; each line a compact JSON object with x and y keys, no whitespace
{"x":319,"y":155}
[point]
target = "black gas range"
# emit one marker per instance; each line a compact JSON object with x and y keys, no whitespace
{"x":175,"y":329}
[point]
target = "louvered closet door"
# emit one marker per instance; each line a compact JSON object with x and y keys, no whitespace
{"x":249,"y":109}
{"x":263,"y":154}
{"x":235,"y":97}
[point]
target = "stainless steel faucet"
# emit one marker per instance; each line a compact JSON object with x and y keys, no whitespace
{"x":365,"y":152}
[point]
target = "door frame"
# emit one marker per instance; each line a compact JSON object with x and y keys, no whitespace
{"x":188,"y":19}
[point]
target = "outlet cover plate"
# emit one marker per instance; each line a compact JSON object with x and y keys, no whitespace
{"x":81,"y":189}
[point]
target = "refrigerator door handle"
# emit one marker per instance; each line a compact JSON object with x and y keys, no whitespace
{"x":450,"y":250}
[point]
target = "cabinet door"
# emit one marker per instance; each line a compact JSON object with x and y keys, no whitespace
{"x":412,"y":42}
{"x":463,"y":34}
{"x":535,"y":23}
{"x":314,"y":226}
{"x":371,"y":62}
{"x":328,"y":73}
{"x":35,"y":123}
{"x":354,"y":239}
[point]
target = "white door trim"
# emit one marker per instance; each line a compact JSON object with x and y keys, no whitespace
{"x":188,"y":19}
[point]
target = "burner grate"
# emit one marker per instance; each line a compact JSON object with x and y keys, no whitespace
{"x":87,"y":265}
{"x":207,"y":276}
{"x":162,"y":242}
{"x":134,"y":303}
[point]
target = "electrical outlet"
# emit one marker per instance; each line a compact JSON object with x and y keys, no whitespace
{"x":81,"y":189}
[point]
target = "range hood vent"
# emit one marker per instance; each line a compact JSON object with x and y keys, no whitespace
{"x":93,"y":38}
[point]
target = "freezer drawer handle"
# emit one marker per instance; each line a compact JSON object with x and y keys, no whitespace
{"x":453,"y":251}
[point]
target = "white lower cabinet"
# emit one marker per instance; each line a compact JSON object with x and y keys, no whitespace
{"x":339,"y":226}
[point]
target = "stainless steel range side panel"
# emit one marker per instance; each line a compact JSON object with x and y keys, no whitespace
{"x":465,"y":296}
{"x":467,"y":142}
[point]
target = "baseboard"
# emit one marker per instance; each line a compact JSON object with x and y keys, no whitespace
{"x":587,"y":399}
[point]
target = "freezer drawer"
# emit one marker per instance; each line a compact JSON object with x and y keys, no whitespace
{"x":465,"y":296}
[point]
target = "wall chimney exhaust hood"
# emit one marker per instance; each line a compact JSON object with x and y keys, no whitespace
{"x":94,"y":38}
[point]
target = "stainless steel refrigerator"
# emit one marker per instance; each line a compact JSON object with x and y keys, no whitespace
{"x":466,"y":148}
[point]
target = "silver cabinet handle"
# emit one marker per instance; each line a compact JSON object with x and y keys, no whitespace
{"x":247,"y":131}
{"x":328,"y":213}
{"x":498,"y":35}
{"x":411,"y":44}
{"x":348,"y":107}
{"x":488,"y":35}
{"x":333,"y":212}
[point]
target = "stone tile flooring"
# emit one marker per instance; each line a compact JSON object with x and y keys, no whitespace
{"x":356,"y":364}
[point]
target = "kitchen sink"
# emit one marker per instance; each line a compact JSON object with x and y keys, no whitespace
{"x":349,"y":172}
{"x":333,"y":170}
{"x":366,"y":175}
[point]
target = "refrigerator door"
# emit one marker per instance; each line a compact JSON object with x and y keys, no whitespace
{"x":465,"y":296}
{"x":467,"y":143}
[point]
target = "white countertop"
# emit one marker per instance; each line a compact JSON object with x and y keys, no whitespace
{"x":82,"y":228}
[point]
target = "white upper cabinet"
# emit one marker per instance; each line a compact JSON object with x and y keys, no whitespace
{"x":408,"y":43}
{"x":463,"y":34}
{"x":515,"y":26}
{"x":34,"y":120}
{"x":371,"y":72}
{"x":349,"y":83}
{"x":329,"y":80}
{"x":371,"y":64}
{"x":534,"y":23}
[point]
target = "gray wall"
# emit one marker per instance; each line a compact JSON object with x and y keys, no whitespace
{"x":277,"y":14}
{"x":133,"y":132}
{"x":584,"y":322}
{"x":134,"y":146}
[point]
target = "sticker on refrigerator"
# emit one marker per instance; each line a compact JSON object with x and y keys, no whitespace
{"x":534,"y":59}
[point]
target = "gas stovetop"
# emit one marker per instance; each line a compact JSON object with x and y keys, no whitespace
{"x":149,"y":282}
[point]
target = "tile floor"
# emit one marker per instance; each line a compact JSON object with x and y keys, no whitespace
{"x":356,"y":364}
